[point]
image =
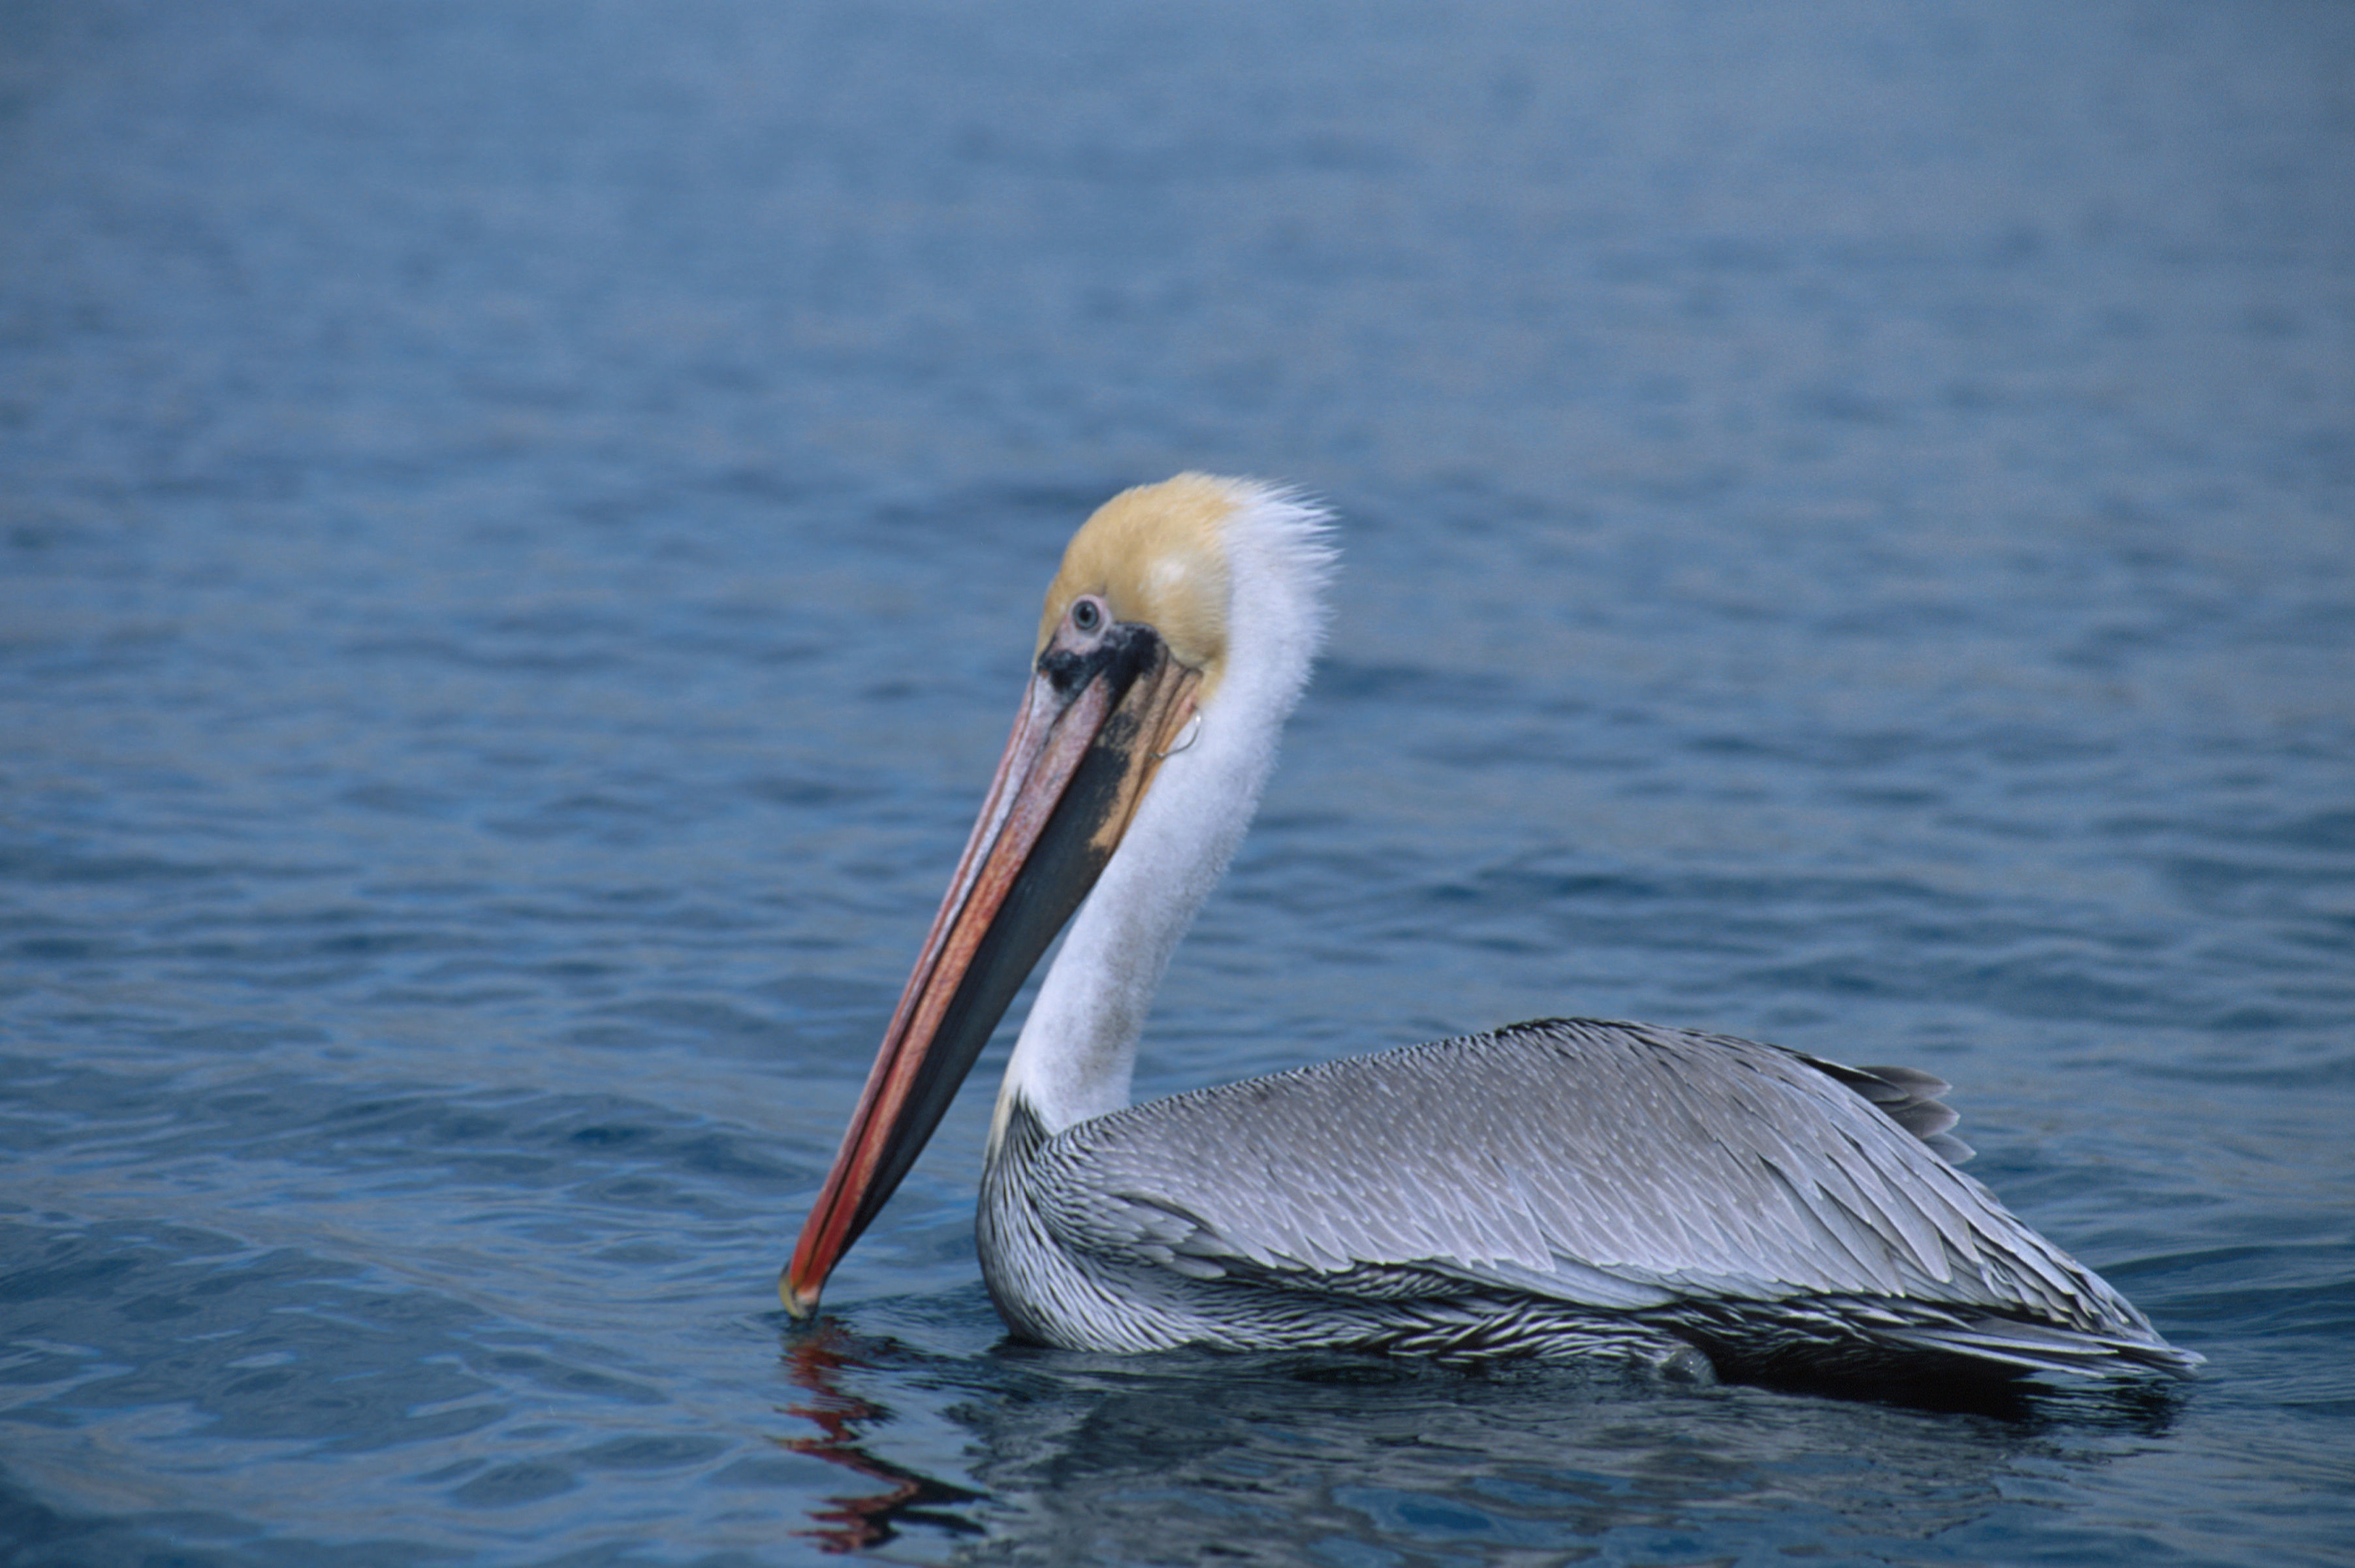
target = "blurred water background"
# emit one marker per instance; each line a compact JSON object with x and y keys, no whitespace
{"x":520,"y":527}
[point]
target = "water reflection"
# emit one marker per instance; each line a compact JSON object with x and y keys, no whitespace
{"x":818,"y":1362}
{"x":1187,"y":1456}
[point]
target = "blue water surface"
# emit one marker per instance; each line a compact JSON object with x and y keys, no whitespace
{"x":520,"y":529}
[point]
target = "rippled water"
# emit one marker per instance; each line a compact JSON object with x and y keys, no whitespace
{"x":522,"y":526}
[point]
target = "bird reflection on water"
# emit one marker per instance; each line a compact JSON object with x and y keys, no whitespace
{"x":818,"y":1362}
{"x":1083,"y":1456}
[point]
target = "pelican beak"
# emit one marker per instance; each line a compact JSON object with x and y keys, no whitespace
{"x":1103,"y":710}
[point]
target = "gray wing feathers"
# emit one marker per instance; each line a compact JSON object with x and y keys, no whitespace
{"x":1907,"y":1096}
{"x":1616,"y":1166}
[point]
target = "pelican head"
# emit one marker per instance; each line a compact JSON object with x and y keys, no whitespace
{"x":1174,"y":640}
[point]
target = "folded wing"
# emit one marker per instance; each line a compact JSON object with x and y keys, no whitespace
{"x":1610,"y":1165}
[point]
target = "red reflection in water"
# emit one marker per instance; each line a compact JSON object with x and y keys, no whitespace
{"x":816,"y":1360}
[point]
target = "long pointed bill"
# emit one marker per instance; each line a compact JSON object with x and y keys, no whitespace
{"x":1101,"y":713}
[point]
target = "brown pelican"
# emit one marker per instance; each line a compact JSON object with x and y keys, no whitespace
{"x":1690,"y":1201}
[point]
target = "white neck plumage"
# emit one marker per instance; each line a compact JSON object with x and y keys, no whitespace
{"x":1076,"y":1052}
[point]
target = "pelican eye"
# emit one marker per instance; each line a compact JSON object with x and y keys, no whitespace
{"x":1088,"y":615}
